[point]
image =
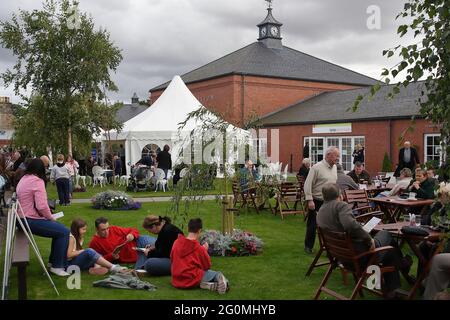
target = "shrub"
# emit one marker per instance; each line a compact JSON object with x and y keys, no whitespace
{"x":114,"y":200}
{"x":387,"y":164}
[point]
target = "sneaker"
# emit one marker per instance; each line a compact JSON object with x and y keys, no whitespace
{"x":222,"y":284}
{"x":49,"y":265}
{"x":59,"y":272}
{"x":212,"y":286}
{"x":119,"y":269}
{"x":308,"y":250}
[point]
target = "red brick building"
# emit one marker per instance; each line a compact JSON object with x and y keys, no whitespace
{"x":325,"y":120}
{"x":263,"y":77}
{"x":306,"y":98}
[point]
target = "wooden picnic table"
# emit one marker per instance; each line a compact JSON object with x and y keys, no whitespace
{"x":394,"y":207}
{"x":413,"y":242}
{"x":373,"y":191}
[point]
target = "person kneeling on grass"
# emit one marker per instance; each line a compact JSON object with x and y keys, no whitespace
{"x":191,"y":262}
{"x":87,"y":258}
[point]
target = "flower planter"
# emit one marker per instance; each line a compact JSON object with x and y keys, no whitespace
{"x":114,"y":200}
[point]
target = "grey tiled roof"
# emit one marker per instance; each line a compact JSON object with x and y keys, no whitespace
{"x":332,"y":107}
{"x":257,"y":59}
{"x":129,"y":111}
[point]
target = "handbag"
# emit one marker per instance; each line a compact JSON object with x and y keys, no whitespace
{"x":415,"y":231}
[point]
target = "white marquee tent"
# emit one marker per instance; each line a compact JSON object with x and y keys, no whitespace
{"x":160,"y":123}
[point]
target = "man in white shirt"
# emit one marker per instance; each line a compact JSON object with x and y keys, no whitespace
{"x":320,"y":174}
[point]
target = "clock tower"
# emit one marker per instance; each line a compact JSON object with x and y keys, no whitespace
{"x":270,"y":30}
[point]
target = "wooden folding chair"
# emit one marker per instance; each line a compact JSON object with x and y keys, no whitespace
{"x":363,"y":218}
{"x":342,"y":254}
{"x":244,"y":197}
{"x":289,"y":200}
{"x":358,"y":199}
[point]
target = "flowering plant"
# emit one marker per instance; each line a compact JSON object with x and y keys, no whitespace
{"x":114,"y":200}
{"x":441,"y":208}
{"x":444,"y":193}
{"x":238,"y":243}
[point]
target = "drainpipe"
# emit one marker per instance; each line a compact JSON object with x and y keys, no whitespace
{"x":242,"y":98}
{"x":389,"y":141}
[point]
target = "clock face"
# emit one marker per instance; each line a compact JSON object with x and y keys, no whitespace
{"x":274,"y":31}
{"x":263,"y":32}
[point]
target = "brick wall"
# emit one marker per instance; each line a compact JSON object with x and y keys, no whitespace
{"x":380,"y":137}
{"x":260,"y":95}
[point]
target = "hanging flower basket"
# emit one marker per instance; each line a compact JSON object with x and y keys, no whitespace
{"x":114,"y":200}
{"x":238,"y":243}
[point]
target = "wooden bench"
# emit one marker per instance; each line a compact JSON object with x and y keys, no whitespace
{"x":21,"y":259}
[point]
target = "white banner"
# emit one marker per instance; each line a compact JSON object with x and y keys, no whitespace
{"x":332,"y":128}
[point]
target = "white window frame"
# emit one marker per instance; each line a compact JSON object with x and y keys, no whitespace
{"x":425,"y":147}
{"x":325,"y":144}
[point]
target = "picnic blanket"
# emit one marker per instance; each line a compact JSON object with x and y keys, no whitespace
{"x":124,"y":281}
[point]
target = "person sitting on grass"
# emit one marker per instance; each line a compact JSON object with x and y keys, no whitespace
{"x":117,"y":244}
{"x":156,"y":259}
{"x":191,"y":262}
{"x":87,"y":259}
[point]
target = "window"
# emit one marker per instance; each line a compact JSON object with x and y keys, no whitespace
{"x":433,"y":149}
{"x":318,"y":145}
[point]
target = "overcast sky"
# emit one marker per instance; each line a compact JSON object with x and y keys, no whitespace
{"x":162,"y":38}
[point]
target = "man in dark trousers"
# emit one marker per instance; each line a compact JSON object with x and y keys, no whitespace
{"x":407,"y":158}
{"x":319,"y":175}
{"x":164,"y":159}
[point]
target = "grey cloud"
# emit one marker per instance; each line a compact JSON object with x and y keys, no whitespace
{"x":161,"y":38}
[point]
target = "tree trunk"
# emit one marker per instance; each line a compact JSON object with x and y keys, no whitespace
{"x":69,"y":140}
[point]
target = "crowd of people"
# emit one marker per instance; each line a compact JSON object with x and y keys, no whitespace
{"x":326,"y":181}
{"x":169,"y":252}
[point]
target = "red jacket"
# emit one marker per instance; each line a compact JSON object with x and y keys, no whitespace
{"x":189,"y":260}
{"x":117,"y":235}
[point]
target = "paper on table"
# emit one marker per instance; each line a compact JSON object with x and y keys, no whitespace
{"x":58,"y":215}
{"x":371,"y":224}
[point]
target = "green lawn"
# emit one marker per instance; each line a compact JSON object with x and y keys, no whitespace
{"x":278,"y":273}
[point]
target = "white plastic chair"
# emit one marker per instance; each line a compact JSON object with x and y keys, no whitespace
{"x":124,"y":180}
{"x":183,"y":172}
{"x":83,"y":180}
{"x":97,"y":171}
{"x":160,"y":179}
{"x":168,"y":177}
{"x":285,"y":172}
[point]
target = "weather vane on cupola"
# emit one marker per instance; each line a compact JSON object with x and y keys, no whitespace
{"x":269,"y":3}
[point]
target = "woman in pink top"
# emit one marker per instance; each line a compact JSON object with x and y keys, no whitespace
{"x":32,"y":197}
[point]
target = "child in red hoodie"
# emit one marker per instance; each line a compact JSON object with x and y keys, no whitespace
{"x":191,"y":262}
